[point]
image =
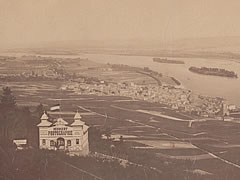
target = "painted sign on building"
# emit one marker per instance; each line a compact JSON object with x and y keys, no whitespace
{"x":63,"y":136}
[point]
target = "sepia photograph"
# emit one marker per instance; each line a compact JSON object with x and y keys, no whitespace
{"x":119,"y":90}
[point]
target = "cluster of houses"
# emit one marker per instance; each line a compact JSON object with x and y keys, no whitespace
{"x":175,"y":97}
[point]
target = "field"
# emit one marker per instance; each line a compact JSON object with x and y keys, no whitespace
{"x":38,"y":67}
{"x":212,"y":146}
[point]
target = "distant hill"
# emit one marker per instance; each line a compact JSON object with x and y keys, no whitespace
{"x":211,"y":47}
{"x":208,"y":44}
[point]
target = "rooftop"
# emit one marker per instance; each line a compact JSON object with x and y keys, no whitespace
{"x":76,"y":121}
{"x":44,"y":116}
{"x":60,"y":122}
{"x":77,"y":116}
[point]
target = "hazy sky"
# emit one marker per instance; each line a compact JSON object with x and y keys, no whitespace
{"x":25,"y":21}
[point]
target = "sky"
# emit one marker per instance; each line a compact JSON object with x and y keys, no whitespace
{"x":35,"y":21}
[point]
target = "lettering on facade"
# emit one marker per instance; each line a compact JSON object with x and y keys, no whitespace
{"x":63,"y":136}
{"x":60,"y":131}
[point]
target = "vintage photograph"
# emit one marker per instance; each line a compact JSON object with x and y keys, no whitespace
{"x":119,"y":90}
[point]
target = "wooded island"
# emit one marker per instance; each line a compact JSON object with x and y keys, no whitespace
{"x":213,"y":72}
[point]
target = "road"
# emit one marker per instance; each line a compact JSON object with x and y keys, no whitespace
{"x":166,"y":132}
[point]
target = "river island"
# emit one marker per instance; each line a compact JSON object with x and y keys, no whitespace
{"x":168,"y":61}
{"x":213,"y":72}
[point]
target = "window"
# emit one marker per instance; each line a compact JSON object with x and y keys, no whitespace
{"x":77,"y":141}
{"x":68,"y":142}
{"x":44,"y":142}
{"x":52,"y":143}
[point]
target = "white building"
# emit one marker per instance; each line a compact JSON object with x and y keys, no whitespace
{"x":61,"y":136}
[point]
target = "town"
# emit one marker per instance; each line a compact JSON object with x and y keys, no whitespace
{"x":173,"y":97}
{"x":103,"y":80}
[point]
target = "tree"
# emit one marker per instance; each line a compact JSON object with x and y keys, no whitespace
{"x":7,"y":99}
{"x":39,"y":110}
{"x":7,"y":111}
{"x":29,"y":123}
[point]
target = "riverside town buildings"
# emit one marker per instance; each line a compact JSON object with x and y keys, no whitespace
{"x":59,"y":135}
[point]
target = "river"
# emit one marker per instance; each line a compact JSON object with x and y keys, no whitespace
{"x":228,"y":88}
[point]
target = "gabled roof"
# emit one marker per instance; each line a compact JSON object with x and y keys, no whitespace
{"x":44,"y":123}
{"x":60,"y":122}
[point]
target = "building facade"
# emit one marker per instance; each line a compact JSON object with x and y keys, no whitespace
{"x":60,"y":135}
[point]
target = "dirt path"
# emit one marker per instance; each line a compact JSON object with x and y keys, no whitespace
{"x":175,"y":137}
{"x":201,"y":149}
{"x":81,"y":170}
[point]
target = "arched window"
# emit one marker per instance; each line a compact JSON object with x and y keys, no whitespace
{"x":52,"y":143}
{"x":68,"y":142}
